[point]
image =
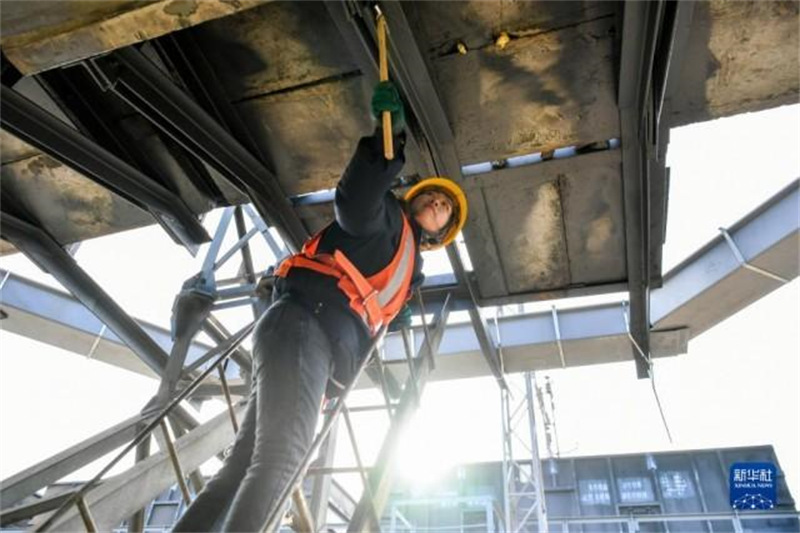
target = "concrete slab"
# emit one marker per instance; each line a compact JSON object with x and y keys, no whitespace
{"x":274,"y":47}
{"x":68,"y":205}
{"x":57,"y":33}
{"x":741,"y":57}
{"x":539,"y":93}
{"x":547,"y":226}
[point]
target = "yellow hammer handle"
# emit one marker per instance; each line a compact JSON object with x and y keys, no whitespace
{"x":386,"y":116}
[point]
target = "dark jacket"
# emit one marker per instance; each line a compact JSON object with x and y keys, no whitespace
{"x":367,"y":230}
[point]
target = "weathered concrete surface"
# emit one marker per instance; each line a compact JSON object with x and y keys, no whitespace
{"x":591,"y":197}
{"x":547,"y":226}
{"x":274,"y":47}
{"x":13,"y":149}
{"x":316,"y":217}
{"x":58,"y":32}
{"x":741,"y":57}
{"x":442,"y":24}
{"x":74,"y":210}
{"x":311,"y":132}
{"x":541,"y":92}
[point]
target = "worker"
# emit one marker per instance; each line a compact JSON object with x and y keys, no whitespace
{"x":328,"y":303}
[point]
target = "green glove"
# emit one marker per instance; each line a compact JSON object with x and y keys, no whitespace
{"x":386,"y":98}
{"x":402,"y":320}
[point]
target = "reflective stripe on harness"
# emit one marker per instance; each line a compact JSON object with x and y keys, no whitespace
{"x":376,"y":299}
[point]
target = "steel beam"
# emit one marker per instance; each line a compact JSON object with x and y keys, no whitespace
{"x":185,"y":55}
{"x":639,"y":33}
{"x":25,"y":483}
{"x":79,"y":97}
{"x":416,"y":83}
{"x":485,"y":341}
{"x":702,"y":291}
{"x":29,"y":122}
{"x":381,"y":476}
{"x":55,"y":317}
{"x":712,"y":284}
{"x":26,"y":511}
{"x":120,"y":496}
{"x":43,"y":250}
{"x":590,"y":335}
{"x":219,"y":334}
{"x":341,"y":502}
{"x":138,"y":82}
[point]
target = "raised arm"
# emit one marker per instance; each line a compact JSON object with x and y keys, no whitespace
{"x":360,"y":194}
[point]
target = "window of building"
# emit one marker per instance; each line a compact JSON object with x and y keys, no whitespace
{"x":594,"y":492}
{"x":675,"y":484}
{"x":473,"y":520}
{"x":635,"y":489}
{"x":163,"y":514}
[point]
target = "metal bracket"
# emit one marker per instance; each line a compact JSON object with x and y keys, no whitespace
{"x":500,"y":355}
{"x":740,"y":258}
{"x":645,"y":357}
{"x":557,"y":329}
{"x":5,"y":279}
{"x":96,"y":342}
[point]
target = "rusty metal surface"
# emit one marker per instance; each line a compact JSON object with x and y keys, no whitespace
{"x":81,"y":30}
{"x":741,"y":57}
{"x":547,"y":226}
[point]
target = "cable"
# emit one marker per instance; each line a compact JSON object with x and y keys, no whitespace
{"x":650,"y":372}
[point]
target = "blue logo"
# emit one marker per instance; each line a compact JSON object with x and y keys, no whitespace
{"x":752,"y":486}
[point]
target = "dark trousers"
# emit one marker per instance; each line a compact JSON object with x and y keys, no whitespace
{"x":291,"y":364}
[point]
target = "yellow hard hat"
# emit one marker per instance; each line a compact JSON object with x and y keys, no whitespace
{"x":459,"y":216}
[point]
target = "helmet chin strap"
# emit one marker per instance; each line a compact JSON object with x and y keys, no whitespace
{"x":430,"y":239}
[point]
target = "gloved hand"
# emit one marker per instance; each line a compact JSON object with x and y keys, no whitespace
{"x":386,"y":98}
{"x":402,"y":320}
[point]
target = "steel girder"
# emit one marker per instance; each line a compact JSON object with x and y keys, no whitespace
{"x":79,"y":97}
{"x":43,"y":250}
{"x":184,"y":54}
{"x":58,"y":318}
{"x":703,"y":290}
{"x":25,"y":511}
{"x":427,"y":121}
{"x":25,"y":483}
{"x":647,"y":52}
{"x":144,"y":87}
{"x":29,"y":122}
{"x":725,"y":276}
{"x":121,"y":496}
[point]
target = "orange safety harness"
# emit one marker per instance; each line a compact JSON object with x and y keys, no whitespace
{"x":376,"y":299}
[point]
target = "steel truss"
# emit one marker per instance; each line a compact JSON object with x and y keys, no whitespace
{"x":132,"y":77}
{"x":90,"y":504}
{"x":523,"y":482}
{"x":214,"y":136}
